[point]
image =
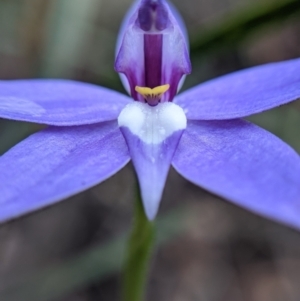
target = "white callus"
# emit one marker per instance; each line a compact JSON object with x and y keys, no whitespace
{"x":155,"y":124}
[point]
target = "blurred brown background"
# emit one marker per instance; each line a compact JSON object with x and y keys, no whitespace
{"x":208,"y":250}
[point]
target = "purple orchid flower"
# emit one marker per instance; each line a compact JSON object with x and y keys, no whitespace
{"x":198,"y":132}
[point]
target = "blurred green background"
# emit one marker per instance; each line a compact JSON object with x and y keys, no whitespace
{"x":207,"y":249}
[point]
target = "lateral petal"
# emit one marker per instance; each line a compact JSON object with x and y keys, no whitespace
{"x":244,"y":164}
{"x":243,"y":93}
{"x":57,"y":163}
{"x":59,"y":102}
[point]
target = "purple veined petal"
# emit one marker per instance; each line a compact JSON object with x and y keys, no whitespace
{"x":244,"y":164}
{"x":57,"y":163}
{"x":59,"y":102}
{"x":243,"y":93}
{"x":152,"y":135}
{"x":160,"y":53}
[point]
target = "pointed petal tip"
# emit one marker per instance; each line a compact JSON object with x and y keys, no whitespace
{"x":151,"y":216}
{"x":151,"y":208}
{"x":151,"y":198}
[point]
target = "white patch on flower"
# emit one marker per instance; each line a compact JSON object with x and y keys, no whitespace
{"x":152,"y":124}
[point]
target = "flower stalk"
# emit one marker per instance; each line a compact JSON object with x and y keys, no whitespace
{"x":140,"y":246}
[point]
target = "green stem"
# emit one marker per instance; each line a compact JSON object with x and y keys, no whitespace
{"x":139,"y":252}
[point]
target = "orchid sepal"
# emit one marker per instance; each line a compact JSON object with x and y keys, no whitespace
{"x":56,"y":163}
{"x":244,"y":164}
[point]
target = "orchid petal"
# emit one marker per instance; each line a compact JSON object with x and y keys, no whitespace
{"x":244,"y":164}
{"x":59,"y":102}
{"x":152,"y":135}
{"x":57,"y":163}
{"x":243,"y":93}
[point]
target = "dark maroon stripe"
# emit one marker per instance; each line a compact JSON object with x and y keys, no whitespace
{"x":153,"y":44}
